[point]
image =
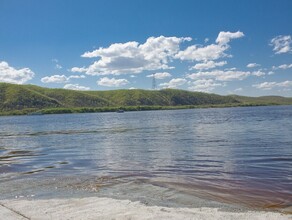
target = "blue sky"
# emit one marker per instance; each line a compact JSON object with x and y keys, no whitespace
{"x":224,"y":47}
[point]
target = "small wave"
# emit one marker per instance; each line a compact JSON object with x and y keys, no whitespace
{"x":66,"y":132}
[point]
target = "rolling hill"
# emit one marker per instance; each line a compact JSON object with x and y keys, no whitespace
{"x":23,"y":99}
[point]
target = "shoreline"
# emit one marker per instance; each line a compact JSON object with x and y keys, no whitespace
{"x":108,"y":208}
{"x":39,"y":112}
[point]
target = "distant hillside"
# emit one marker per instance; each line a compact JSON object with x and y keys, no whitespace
{"x":167,"y":97}
{"x":264,"y":100}
{"x":22,"y":99}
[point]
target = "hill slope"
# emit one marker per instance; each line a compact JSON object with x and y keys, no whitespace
{"x":167,"y":97}
{"x":22,"y":99}
{"x":265,"y":100}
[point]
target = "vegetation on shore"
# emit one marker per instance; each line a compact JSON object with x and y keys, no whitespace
{"x":27,"y":99}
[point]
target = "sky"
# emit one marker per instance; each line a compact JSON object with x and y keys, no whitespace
{"x":225,"y":47}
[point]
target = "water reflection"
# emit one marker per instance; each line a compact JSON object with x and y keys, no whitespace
{"x":233,"y":155}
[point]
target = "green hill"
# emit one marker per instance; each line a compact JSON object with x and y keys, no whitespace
{"x":263,"y":100}
{"x":15,"y":97}
{"x":23,"y":99}
{"x":167,"y":97}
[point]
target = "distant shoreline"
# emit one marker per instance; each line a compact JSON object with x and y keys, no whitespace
{"x":30,"y":99}
{"x":126,"y":109}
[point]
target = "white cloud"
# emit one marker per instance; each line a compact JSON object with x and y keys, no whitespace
{"x":77,"y":77}
{"x":258,"y":73}
{"x":76,"y":87}
{"x":11,"y":75}
{"x":209,"y":52}
{"x":265,"y":85}
{"x":155,"y":54}
{"x":225,"y":37}
{"x":234,"y":75}
{"x":105,"y":81}
{"x":78,"y":69}
{"x":60,"y":78}
{"x":132,"y":57}
{"x":252,"y":65}
{"x":208,"y":65}
{"x":55,"y":79}
{"x":57,"y":65}
{"x":283,"y":66}
{"x":271,"y":85}
{"x":225,"y":75}
{"x":204,"y":85}
{"x":238,"y":90}
{"x":281,"y":44}
{"x":221,"y":75}
{"x":206,"y":40}
{"x":162,"y":75}
{"x":230,"y":69}
{"x":127,"y":49}
{"x":131,"y":88}
{"x":173,"y":83}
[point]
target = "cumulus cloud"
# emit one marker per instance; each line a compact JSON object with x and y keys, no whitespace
{"x":252,"y":65}
{"x":132,"y":57}
{"x":78,"y":69}
{"x":220,"y":75}
{"x":76,"y":87}
{"x":77,"y":77}
{"x":155,"y":54}
{"x":173,"y":83}
{"x":55,"y":79}
{"x":114,"y":50}
{"x":162,"y":75}
{"x":258,"y":73}
{"x":11,"y":75}
{"x":60,"y":78}
{"x":225,"y":75}
{"x":225,"y":37}
{"x":208,"y":65}
{"x":271,"y":85}
{"x":283,"y":66}
{"x":209,"y":52}
{"x":112,"y":82}
{"x":281,"y":44}
{"x":204,"y":85}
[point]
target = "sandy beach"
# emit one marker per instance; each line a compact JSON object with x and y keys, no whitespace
{"x":107,"y":208}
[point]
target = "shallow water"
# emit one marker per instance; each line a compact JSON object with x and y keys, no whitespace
{"x":232,"y":155}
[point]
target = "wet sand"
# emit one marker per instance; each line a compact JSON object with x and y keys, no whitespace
{"x":107,"y":208}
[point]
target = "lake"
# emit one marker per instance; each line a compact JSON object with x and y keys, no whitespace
{"x":195,"y":157}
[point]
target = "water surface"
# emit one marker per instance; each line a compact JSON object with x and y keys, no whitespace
{"x":232,"y":155}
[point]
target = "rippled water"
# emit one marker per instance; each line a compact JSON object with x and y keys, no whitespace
{"x":231,"y":155}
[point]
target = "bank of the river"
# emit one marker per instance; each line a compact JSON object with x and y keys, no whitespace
{"x":107,"y":208}
{"x":124,"y":108}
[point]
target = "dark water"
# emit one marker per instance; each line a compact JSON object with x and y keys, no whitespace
{"x":231,"y":155}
